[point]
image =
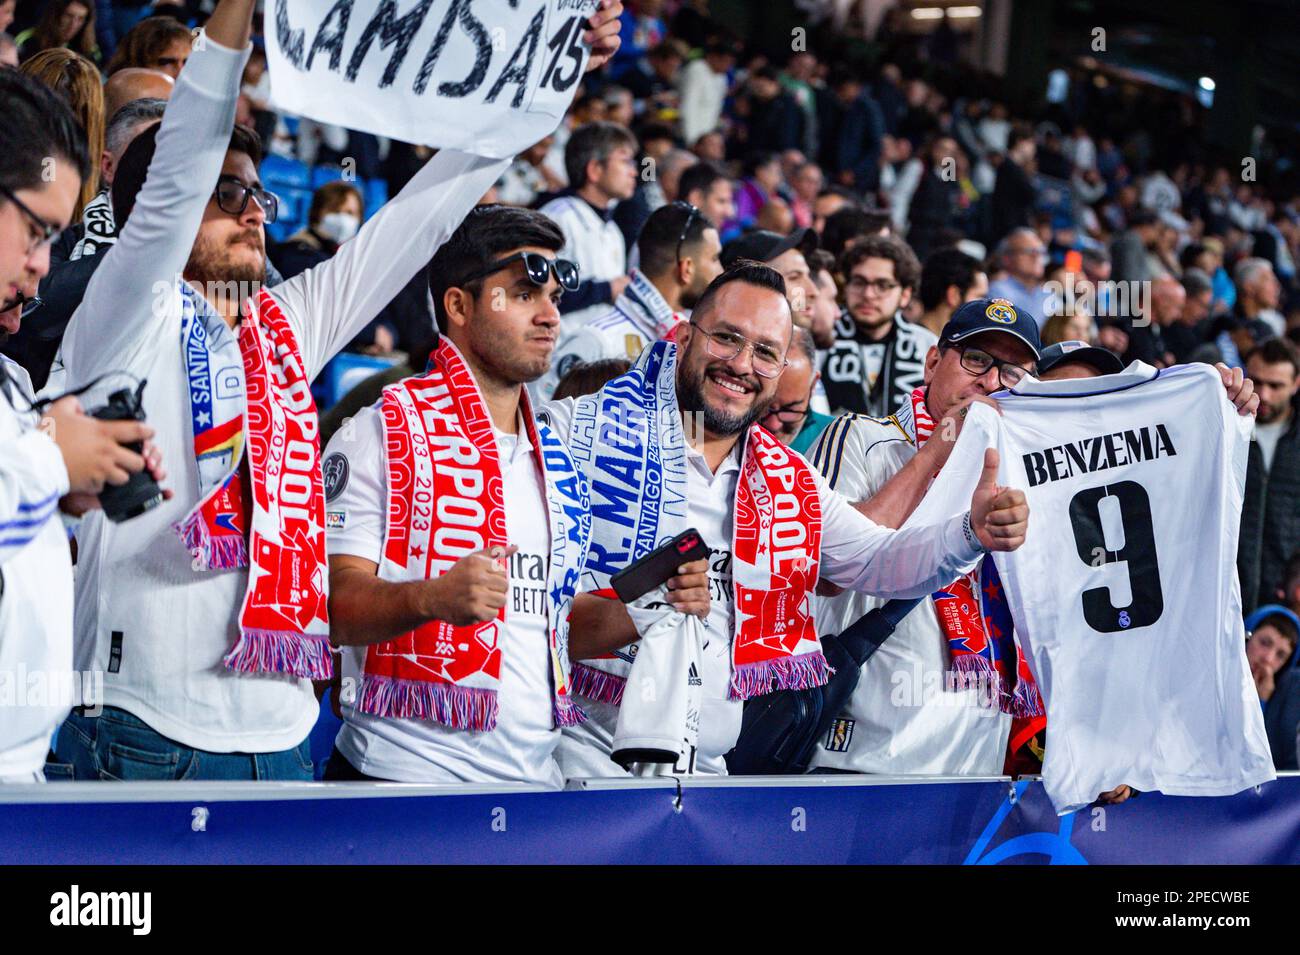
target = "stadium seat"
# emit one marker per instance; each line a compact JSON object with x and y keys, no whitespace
{"x":290,"y":180}
{"x":323,"y":174}
{"x":280,"y":172}
{"x":344,"y":372}
{"x":376,"y":194}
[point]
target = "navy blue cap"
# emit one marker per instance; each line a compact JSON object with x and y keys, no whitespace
{"x":992,"y":315}
{"x":1106,"y":362}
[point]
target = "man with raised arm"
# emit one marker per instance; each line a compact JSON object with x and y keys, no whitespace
{"x":208,"y":614}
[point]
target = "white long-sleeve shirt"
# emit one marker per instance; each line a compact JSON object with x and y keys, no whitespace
{"x":35,"y":584}
{"x":703,"y":93}
{"x":136,"y":586}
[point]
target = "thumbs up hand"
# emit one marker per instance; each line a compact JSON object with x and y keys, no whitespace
{"x":998,"y":515}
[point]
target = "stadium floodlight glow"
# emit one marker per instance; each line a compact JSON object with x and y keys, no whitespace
{"x":1206,"y":84}
{"x":927,"y":13}
{"x":964,"y":13}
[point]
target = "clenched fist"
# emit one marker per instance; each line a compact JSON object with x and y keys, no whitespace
{"x":473,"y":591}
{"x":998,"y":515}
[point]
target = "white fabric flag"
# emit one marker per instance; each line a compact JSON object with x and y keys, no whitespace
{"x":487,"y":78}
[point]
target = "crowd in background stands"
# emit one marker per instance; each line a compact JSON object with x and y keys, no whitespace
{"x":1103,"y":212}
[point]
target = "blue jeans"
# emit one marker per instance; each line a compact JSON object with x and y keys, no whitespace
{"x":118,"y":746}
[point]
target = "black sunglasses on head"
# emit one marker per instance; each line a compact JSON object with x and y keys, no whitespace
{"x":690,"y":221}
{"x":538,"y":269}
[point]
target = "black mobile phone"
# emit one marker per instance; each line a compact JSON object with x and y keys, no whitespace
{"x":644,"y":575}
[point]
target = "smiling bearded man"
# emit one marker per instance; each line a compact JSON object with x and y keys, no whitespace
{"x":673,"y":445}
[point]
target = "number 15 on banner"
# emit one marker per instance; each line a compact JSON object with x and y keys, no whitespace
{"x":565,"y":56}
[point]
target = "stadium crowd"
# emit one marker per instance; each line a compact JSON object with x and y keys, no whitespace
{"x":823,"y":239}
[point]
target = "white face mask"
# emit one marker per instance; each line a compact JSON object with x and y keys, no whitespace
{"x":338,"y":227}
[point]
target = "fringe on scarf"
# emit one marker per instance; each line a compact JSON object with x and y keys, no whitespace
{"x":227,"y":552}
{"x":593,"y":684}
{"x":460,"y":707}
{"x":1024,"y":701}
{"x":567,"y":713}
{"x":788,"y":673}
{"x":271,"y":651}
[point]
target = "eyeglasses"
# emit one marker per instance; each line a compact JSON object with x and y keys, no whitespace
{"x":45,"y":231}
{"x":538,"y":269}
{"x":686,"y":229}
{"x":725,"y":346}
{"x":788,"y":414}
{"x":978,"y":362}
{"x":232,"y":196}
{"x":880,"y":286}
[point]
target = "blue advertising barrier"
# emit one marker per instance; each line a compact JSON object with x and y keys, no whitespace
{"x":787,"y":820}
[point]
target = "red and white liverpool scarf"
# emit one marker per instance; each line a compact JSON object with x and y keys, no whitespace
{"x":628,"y":441}
{"x":277,"y":521}
{"x":776,"y":548}
{"x":445,"y":501}
{"x":974,"y":615}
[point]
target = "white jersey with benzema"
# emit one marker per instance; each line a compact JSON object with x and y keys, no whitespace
{"x":1125,"y":592}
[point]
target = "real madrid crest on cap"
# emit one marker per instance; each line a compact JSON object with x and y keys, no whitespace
{"x":982,"y":315}
{"x":1000,"y":310}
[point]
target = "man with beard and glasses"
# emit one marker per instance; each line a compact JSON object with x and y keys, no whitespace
{"x":208,"y":614}
{"x":878,"y":357}
{"x":46,"y":466}
{"x":682,"y":424}
{"x":679,"y":249}
{"x":454,"y":654}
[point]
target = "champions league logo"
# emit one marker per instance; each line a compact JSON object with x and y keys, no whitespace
{"x":335,"y":471}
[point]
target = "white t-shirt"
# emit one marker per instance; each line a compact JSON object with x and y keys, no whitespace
{"x":408,"y":750}
{"x":901,"y":719}
{"x":856,"y":553}
{"x":1125,"y":592}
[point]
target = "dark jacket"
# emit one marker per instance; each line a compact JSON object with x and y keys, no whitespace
{"x":1270,"y":518}
{"x":1013,"y":199}
{"x":1282,"y":717}
{"x":937,"y":206}
{"x":775,"y":125}
{"x":36,"y":344}
{"x":859,"y":135}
